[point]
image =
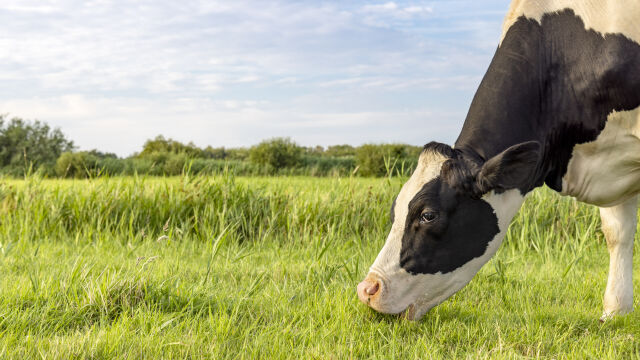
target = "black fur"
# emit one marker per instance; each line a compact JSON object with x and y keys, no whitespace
{"x":461,"y":176}
{"x":513,"y":168}
{"x":439,"y":148}
{"x":554,"y":83}
{"x":444,"y":244}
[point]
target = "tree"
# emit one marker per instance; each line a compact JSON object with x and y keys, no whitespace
{"x":277,"y":153}
{"x":340,"y":150}
{"x":102,"y":155}
{"x":314,"y":150}
{"x":214,"y":153}
{"x":236,"y":154}
{"x":30,"y":143}
{"x":162,"y":145}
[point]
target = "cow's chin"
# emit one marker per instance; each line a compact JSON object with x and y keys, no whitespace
{"x":415,"y":310}
{"x":418,"y":309}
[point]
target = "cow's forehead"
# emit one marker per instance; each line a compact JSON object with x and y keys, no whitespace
{"x":428,"y":168}
{"x":429,"y":165}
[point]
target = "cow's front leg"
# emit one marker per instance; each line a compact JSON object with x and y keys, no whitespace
{"x":619,"y":226}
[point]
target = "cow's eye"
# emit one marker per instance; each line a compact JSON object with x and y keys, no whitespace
{"x":427,"y":217}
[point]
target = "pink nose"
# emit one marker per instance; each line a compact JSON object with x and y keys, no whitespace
{"x":368,"y":288}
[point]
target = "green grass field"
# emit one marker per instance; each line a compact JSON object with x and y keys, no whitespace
{"x":249,"y":268}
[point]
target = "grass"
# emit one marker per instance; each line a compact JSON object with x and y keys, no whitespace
{"x":224,"y":267}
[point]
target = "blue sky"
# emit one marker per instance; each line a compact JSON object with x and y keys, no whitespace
{"x":229,"y":73}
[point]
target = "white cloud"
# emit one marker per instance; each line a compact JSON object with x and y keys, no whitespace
{"x":112,"y":72}
{"x":392,"y":15}
{"x":30,"y":9}
{"x":393,"y":9}
{"x":390,"y":6}
{"x":418,"y":9}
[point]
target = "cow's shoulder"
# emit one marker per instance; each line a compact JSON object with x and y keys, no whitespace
{"x":605,"y":171}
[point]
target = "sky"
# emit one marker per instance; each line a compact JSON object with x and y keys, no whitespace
{"x":114,"y":73}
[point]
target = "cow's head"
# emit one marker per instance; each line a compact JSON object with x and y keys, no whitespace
{"x":447,"y":221}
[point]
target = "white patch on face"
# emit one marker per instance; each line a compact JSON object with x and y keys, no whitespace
{"x":428,"y":168}
{"x":416,"y":294}
{"x":618,"y":16}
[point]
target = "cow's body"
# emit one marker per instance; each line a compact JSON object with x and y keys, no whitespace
{"x":559,"y":105}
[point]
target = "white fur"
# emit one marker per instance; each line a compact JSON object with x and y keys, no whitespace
{"x":619,"y":227}
{"x":606,"y":171}
{"x":604,"y":16}
{"x":396,"y":291}
{"x":428,"y":168}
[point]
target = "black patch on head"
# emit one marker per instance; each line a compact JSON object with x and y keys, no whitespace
{"x":462,"y":230}
{"x":554,"y":83}
{"x":439,"y":148}
{"x":461,"y":175}
{"x":511,"y":169}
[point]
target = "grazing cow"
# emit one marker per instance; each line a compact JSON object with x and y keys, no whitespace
{"x":559,"y":105}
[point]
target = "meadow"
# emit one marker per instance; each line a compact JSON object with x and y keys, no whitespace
{"x":229,"y":267}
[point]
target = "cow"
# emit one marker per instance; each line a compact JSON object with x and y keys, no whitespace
{"x":559,"y":105}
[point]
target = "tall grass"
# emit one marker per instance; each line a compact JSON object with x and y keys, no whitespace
{"x":228,"y":267}
{"x":83,"y":165}
{"x":193,"y":207}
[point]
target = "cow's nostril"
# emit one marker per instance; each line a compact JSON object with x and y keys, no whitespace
{"x":373,"y":289}
{"x":368,"y":288}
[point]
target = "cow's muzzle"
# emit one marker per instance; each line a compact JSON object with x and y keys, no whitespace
{"x":369,"y":289}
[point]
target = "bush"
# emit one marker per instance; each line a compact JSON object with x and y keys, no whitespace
{"x":112,"y":166}
{"x":236,"y":154}
{"x":175,"y":164}
{"x":340,"y":151}
{"x":135,"y":166}
{"x":276,"y":153}
{"x":214,"y":153}
{"x":77,"y":165}
{"x":384,"y":159}
{"x":34,"y":148}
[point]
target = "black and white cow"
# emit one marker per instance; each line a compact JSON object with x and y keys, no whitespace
{"x":559,"y":105}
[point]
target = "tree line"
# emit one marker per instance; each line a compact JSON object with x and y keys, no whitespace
{"x":34,"y":147}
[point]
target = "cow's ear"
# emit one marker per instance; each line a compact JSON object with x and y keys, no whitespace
{"x":512,"y":168}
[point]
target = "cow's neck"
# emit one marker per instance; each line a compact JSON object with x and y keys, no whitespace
{"x":553,"y":82}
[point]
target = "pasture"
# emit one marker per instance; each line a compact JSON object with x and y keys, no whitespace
{"x":225,"y":267}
